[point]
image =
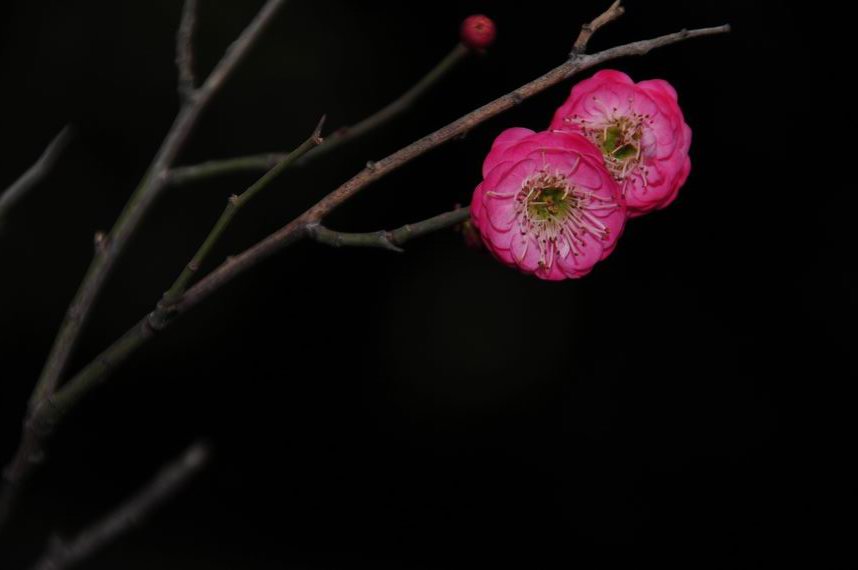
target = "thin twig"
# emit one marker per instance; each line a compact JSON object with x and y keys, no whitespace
{"x":261,"y":162}
{"x":36,"y":173}
{"x":111,"y":248}
{"x":391,"y":240}
{"x":185,"y":50}
{"x":234,"y":204}
{"x":587,"y":30}
{"x":61,"y":554}
{"x":98,"y":370}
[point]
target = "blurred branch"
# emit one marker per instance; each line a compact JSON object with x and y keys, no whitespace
{"x":587,"y":30}
{"x":388,"y":239}
{"x":61,"y":554}
{"x":185,"y":50}
{"x":36,"y":173}
{"x":262,"y":162}
{"x":64,"y":400}
{"x":110,"y":248}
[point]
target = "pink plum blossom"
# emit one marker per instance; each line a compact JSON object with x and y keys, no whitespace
{"x":547,"y":204}
{"x":639,"y":129}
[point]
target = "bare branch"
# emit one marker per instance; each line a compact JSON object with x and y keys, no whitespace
{"x":185,"y":50}
{"x":112,"y":247}
{"x":61,"y":554}
{"x":64,"y":400}
{"x":234,"y":204}
{"x":391,"y":240}
{"x":36,"y":173}
{"x":587,"y":30}
{"x":262,"y":162}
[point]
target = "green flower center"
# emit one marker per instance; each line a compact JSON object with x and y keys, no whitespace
{"x":549,"y":202}
{"x":621,"y":140}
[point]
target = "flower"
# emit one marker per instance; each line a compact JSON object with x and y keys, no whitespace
{"x":547,"y":205}
{"x":478,"y":32}
{"x":640,"y":130}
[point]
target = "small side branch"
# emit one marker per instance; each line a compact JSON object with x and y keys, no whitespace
{"x":261,"y":162}
{"x":587,"y":30}
{"x":62,"y":554}
{"x":185,"y":50}
{"x":235,"y":203}
{"x":391,"y":240}
{"x":36,"y":173}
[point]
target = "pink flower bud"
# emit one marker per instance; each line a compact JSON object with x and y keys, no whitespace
{"x":478,"y":32}
{"x":547,"y":204}
{"x":639,"y":129}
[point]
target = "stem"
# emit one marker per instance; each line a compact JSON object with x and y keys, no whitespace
{"x":254,"y":163}
{"x":388,"y":239}
{"x":185,"y":50}
{"x":587,"y":30}
{"x":36,"y":173}
{"x":62,"y":554}
{"x":235,"y":203}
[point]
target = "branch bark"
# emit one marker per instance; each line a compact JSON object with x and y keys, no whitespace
{"x":261,"y":162}
{"x":391,"y":240}
{"x":111,"y":248}
{"x":234,"y":204}
{"x":587,"y":30}
{"x":36,"y":173}
{"x":61,"y":554}
{"x":185,"y":50}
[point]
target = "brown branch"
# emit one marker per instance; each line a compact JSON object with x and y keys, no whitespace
{"x":61,"y":554}
{"x":112,"y":247}
{"x":234,"y":204}
{"x":261,"y":162}
{"x":185,"y":50}
{"x":587,"y":30}
{"x":391,"y":240}
{"x":36,"y":173}
{"x":99,"y":369}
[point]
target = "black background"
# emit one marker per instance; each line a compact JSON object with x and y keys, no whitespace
{"x":683,"y":406}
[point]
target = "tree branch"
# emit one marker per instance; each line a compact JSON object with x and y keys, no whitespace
{"x":111,"y":248}
{"x":261,"y":162}
{"x":36,"y":173}
{"x":391,"y":240}
{"x":234,"y":204}
{"x":185,"y":50}
{"x":64,"y":400}
{"x":61,"y":554}
{"x":587,"y":30}
{"x":97,"y":371}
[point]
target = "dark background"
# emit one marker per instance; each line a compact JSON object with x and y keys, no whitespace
{"x":683,"y":406}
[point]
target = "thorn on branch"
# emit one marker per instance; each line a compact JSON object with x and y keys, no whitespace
{"x":317,"y":133}
{"x":100,"y":242}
